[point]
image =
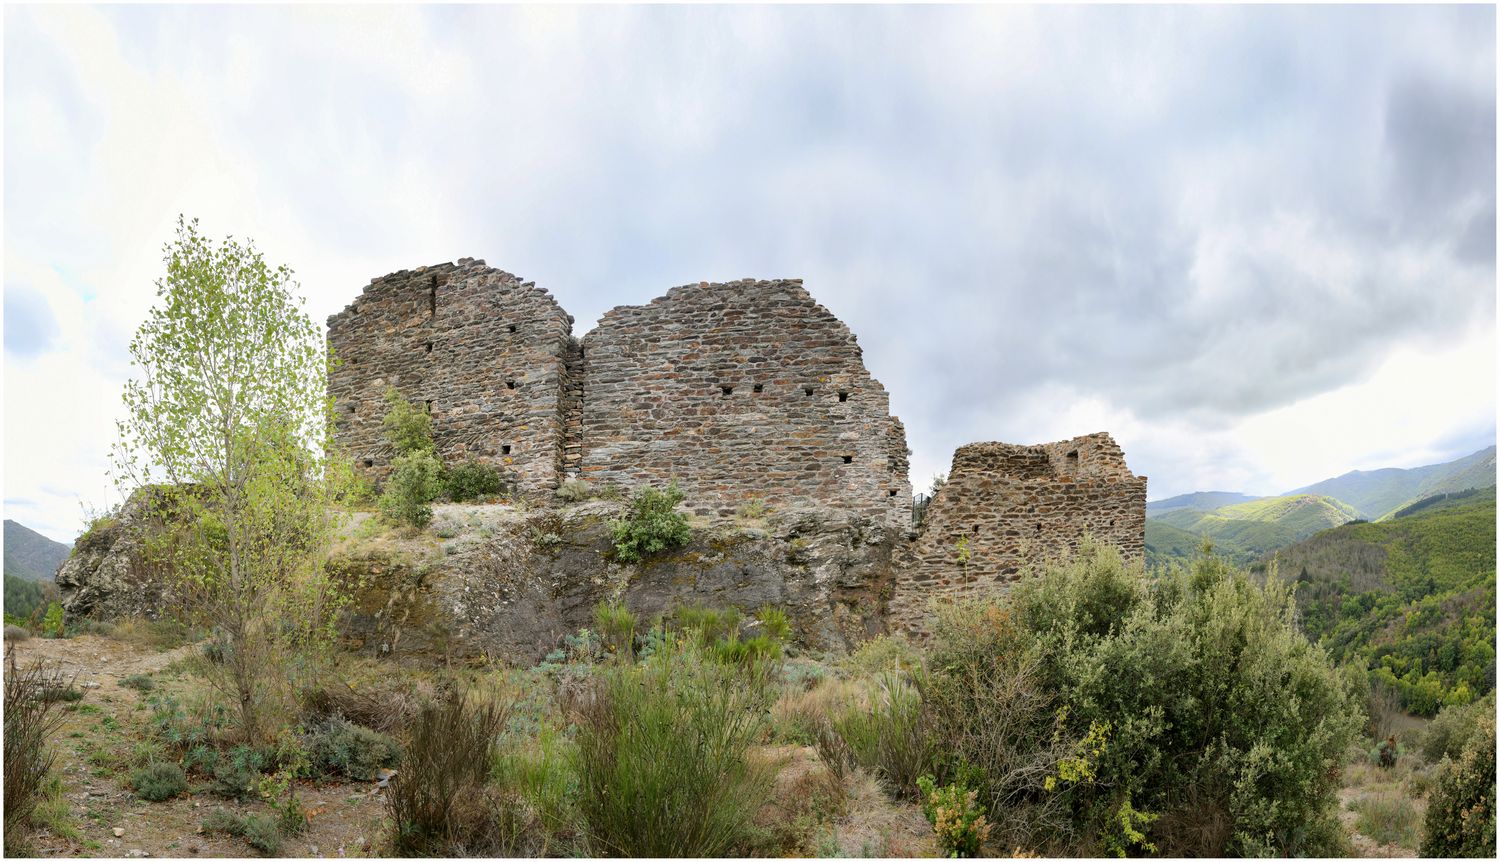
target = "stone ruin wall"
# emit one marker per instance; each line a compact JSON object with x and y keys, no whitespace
{"x":1018,"y":505}
{"x":481,"y":349}
{"x":743,"y":391}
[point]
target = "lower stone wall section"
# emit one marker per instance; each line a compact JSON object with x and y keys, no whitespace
{"x":1010,"y":507}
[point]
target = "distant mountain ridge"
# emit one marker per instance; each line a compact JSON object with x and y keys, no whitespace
{"x":1378,"y":493}
{"x":1245,"y":528}
{"x":31,"y":556}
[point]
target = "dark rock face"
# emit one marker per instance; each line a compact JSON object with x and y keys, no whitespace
{"x":513,"y":594}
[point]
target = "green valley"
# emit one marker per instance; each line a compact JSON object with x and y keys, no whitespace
{"x":1411,"y":598}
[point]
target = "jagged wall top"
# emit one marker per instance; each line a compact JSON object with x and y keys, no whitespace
{"x":480,"y":348}
{"x":744,"y":390}
{"x":740,"y":391}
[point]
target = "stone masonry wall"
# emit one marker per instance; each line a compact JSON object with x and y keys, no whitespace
{"x":743,"y":390}
{"x":1018,"y":505}
{"x":483,"y":350}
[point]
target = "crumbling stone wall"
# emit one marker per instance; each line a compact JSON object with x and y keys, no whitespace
{"x":1013,"y":506}
{"x":740,"y":391}
{"x":483,"y":350}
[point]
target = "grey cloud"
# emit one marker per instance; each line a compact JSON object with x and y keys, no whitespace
{"x":1191,"y":213}
{"x":30,"y":326}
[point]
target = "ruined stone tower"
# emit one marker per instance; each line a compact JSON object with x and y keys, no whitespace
{"x":743,"y":391}
{"x":483,"y":351}
{"x":1006,"y":506}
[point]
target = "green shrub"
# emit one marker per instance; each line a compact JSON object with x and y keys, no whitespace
{"x":886,"y":736}
{"x":415,"y":481}
{"x":473,"y":480}
{"x":956,"y":818}
{"x":774,"y":624}
{"x":440,"y":804}
{"x":1449,"y":733}
{"x":339,"y":747}
{"x":159,"y":782}
{"x":60,"y":693}
{"x":138,"y":681}
{"x":1461,"y":810}
{"x":891,"y":652}
{"x":662,"y":754}
{"x":616,"y":626}
{"x":260,"y":831}
{"x":408,"y":428}
{"x":652,"y":525}
{"x":52,"y":623}
{"x":542,"y":769}
{"x":708,"y":626}
{"x":237,"y":773}
{"x":1184,"y":715}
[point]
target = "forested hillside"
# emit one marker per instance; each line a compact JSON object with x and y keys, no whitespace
{"x":31,"y":555}
{"x":1247,"y":531}
{"x":1412,"y":598}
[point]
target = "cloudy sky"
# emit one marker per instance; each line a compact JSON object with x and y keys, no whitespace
{"x":1255,"y":244}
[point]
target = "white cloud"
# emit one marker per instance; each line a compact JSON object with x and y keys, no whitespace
{"x":1225,"y":235}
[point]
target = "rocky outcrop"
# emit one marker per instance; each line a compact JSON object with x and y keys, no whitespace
{"x":108,"y":575}
{"x":509,"y":585}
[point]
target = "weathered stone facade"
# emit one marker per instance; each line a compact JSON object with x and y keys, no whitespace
{"x":741,"y":391}
{"x":1012,"y":506}
{"x":483,"y":350}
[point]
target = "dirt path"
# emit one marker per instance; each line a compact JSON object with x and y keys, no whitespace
{"x":97,"y":736}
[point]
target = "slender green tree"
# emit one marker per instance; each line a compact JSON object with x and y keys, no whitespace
{"x":229,"y":424}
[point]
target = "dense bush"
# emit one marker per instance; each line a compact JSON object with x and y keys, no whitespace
{"x":472,"y":480}
{"x":440,"y":804}
{"x":1102,"y":711}
{"x":415,"y":481}
{"x":159,"y":782}
{"x":1461,"y":810}
{"x":259,"y":831}
{"x":138,"y":681}
{"x":416,"y":473}
{"x":407,"y":427}
{"x":339,"y":747}
{"x":652,"y":525}
{"x":662,"y":754}
{"x":30,"y":720}
{"x":1449,"y":734}
{"x":956,"y":818}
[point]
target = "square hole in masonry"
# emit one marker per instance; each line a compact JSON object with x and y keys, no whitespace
{"x":505,"y":449}
{"x":727,"y":390}
{"x":848,"y":459}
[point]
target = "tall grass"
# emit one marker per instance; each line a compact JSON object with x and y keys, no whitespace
{"x":1388,"y":817}
{"x":440,"y":804}
{"x":31,"y":717}
{"x":662,"y":754}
